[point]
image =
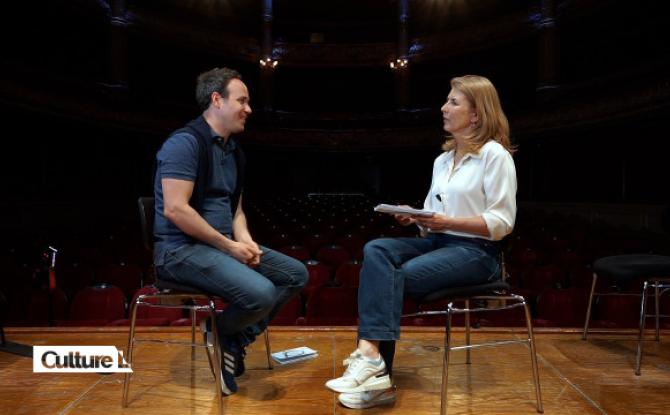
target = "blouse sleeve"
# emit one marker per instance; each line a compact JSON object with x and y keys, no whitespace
{"x":500,"y":190}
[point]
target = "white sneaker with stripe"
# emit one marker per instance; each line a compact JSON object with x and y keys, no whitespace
{"x":362,"y":374}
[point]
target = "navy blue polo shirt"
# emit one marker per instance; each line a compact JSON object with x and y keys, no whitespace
{"x":178,"y":159}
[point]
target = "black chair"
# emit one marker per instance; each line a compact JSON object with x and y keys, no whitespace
{"x":654,"y":270}
{"x":495,"y":294}
{"x":172,"y":295}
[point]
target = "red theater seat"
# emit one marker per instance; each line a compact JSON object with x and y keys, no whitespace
{"x":332,"y":306}
{"x":354,"y":243}
{"x":546,"y":277}
{"x":151,"y":316}
{"x":128,"y":277}
{"x":289,"y":314}
{"x":315,"y":241}
{"x":561,"y":307}
{"x":37,"y":313}
{"x":96,"y":306}
{"x":616,"y":311}
{"x":298,"y":252}
{"x":348,"y":273}
{"x":333,"y":255}
{"x":319,"y":275}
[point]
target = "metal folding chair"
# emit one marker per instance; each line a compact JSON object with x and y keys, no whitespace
{"x":653,"y":269}
{"x":172,"y":295}
{"x":495,"y":291}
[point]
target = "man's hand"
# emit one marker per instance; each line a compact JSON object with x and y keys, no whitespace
{"x":253,"y":246}
{"x":245,"y":253}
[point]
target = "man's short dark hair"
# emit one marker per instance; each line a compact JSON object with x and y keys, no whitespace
{"x":214,"y":80}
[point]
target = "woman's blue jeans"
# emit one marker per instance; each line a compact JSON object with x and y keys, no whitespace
{"x":397,"y":267}
{"x":255,"y":295}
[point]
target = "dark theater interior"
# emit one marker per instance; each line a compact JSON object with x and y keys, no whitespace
{"x":346,"y":98}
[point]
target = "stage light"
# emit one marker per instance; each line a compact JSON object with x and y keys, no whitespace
{"x":400,"y":63}
{"x":268,"y":62}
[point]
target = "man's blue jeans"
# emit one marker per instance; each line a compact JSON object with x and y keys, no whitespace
{"x":255,"y":295}
{"x":397,"y":267}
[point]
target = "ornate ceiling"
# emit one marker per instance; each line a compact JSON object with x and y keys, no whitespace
{"x":132,"y":63}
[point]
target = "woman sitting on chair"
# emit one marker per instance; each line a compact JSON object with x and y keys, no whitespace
{"x":473,"y":195}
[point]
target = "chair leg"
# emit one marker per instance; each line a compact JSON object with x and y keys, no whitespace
{"x":588,"y":308}
{"x":445,"y":364}
{"x":193,"y":317}
{"x":129,"y":350}
{"x":210,"y":350}
{"x":211,"y":362}
{"x":533,"y":358}
{"x":268,"y":350}
{"x":467,"y":331}
{"x":643,"y":311}
{"x":657,"y":293}
{"x":216,"y":357}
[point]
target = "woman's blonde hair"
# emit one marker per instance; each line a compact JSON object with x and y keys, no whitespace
{"x":491,"y":122}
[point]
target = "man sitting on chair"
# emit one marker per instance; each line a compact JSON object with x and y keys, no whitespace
{"x":201,"y":234}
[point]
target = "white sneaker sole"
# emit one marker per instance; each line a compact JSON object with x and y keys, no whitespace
{"x":224,"y":388}
{"x":361,"y":404}
{"x":373,"y":383}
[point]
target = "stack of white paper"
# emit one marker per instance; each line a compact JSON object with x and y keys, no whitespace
{"x":294,"y":355}
{"x":402,"y":210}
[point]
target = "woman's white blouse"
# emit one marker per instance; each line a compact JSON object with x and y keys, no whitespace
{"x":481,"y":184}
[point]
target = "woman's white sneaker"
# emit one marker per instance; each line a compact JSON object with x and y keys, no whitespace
{"x":368,"y":399}
{"x":361,"y":375}
{"x":354,"y":355}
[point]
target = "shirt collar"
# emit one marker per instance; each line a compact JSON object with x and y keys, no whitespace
{"x":227,"y":146}
{"x":452,"y":153}
{"x":477,"y":155}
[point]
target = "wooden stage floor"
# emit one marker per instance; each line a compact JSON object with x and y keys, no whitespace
{"x":577,"y":377}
